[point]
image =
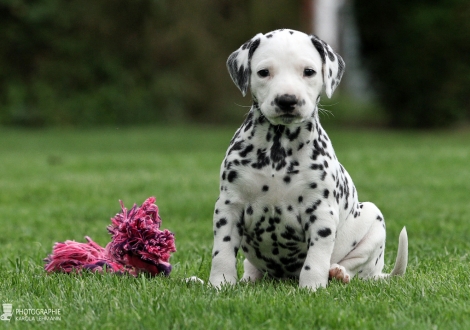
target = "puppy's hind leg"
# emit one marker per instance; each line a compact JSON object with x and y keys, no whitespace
{"x":366,"y":259}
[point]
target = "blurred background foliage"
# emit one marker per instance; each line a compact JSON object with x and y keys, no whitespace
{"x":418,"y":54}
{"x":125,"y":62}
{"x":120,"y":62}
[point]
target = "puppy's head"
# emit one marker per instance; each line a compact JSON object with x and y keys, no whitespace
{"x":286,"y":71}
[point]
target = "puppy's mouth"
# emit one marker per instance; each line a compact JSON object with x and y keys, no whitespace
{"x":288,"y":118}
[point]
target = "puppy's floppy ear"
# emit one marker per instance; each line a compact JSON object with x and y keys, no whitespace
{"x":239,"y":63}
{"x":333,"y":65}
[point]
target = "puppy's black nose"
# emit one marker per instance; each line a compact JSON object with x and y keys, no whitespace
{"x":286,"y":102}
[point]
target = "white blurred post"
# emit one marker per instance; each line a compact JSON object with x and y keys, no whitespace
{"x":326,"y":21}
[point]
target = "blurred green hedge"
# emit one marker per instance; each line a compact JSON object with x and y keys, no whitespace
{"x":118,"y":62}
{"x":126,"y":62}
{"x":418,"y":55}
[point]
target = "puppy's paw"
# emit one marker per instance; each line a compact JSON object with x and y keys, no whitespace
{"x":250,"y":278}
{"x":218,"y":282}
{"x":194,"y":279}
{"x":339,"y":272}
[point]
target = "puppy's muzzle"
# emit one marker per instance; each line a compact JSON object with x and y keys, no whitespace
{"x":286,"y":103}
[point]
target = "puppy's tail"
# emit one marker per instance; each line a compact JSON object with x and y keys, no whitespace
{"x":402,"y":255}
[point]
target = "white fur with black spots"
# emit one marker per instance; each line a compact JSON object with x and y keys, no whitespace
{"x":285,"y":200}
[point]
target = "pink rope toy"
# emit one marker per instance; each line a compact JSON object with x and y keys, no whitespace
{"x":137,"y":245}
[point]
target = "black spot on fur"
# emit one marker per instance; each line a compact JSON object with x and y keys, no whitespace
{"x":331,"y":56}
{"x":262,"y":159}
{"x":268,"y":136}
{"x":236,"y":146}
{"x":232,"y":175}
{"x":246,"y":151}
{"x":221,"y":222}
{"x":248,"y":122}
{"x":318,"y":148}
{"x":309,"y":126}
{"x":326,"y":193}
{"x":287,"y":261}
{"x":307,"y":267}
{"x":294,"y":135}
{"x":265,"y":188}
{"x":254,"y":44}
{"x":278,"y":155}
{"x":291,"y":169}
{"x":227,"y":239}
{"x":316,"y":167}
{"x":319,"y":47}
{"x":294,"y":267}
{"x":325,"y":232}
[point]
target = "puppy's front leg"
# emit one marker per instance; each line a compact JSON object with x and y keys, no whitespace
{"x":228,"y":222}
{"x":321,"y":241}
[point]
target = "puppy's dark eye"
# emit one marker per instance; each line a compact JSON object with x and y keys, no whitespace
{"x":263,"y":73}
{"x":309,"y":73}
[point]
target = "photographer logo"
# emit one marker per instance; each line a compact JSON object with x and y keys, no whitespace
{"x":7,"y":314}
{"x":30,"y":314}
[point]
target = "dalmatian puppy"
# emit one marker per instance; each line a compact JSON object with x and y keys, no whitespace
{"x":285,"y":200}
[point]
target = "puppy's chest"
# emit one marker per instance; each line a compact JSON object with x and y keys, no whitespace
{"x":273,"y":239}
{"x":273,"y":173}
{"x":281,"y":196}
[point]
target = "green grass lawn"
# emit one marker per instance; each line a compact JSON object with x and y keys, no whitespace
{"x":65,"y":184}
